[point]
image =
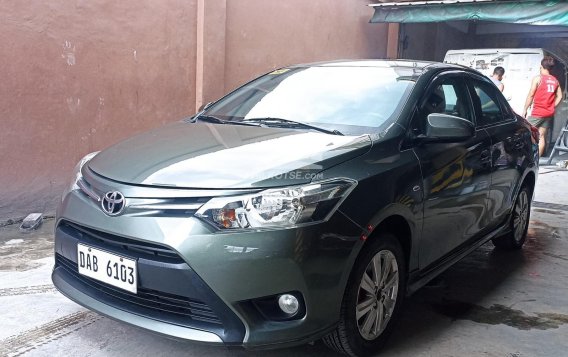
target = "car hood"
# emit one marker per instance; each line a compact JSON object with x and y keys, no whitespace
{"x":206,"y":155}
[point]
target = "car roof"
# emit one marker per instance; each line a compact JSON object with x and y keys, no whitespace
{"x":420,"y":67}
{"x":505,"y":51}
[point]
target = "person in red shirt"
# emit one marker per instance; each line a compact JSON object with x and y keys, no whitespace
{"x":544,"y":96}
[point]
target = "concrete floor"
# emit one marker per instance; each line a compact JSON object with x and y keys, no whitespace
{"x":490,"y":304}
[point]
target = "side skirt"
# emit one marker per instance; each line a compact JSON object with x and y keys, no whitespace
{"x":418,"y":279}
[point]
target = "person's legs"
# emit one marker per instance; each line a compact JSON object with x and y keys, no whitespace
{"x":542,"y":124}
{"x":542,"y":140}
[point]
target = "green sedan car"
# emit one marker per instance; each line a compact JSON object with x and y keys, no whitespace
{"x":304,"y":205}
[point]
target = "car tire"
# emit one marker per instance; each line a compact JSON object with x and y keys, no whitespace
{"x":363,"y":331}
{"x":518,"y":223}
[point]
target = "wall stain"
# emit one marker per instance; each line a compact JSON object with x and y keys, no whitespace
{"x":73,"y":104}
{"x":69,"y":53}
{"x":499,"y":314}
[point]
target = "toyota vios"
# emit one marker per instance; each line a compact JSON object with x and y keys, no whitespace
{"x":304,"y":205}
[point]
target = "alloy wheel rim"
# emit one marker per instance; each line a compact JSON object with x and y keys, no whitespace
{"x":377,"y":294}
{"x":520,"y":216}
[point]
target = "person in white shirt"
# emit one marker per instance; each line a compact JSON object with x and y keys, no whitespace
{"x":497,"y":77}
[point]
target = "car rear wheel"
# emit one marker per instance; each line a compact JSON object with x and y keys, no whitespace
{"x":372,"y":299}
{"x":519,"y":223}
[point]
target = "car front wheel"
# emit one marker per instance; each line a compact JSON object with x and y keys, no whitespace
{"x":372,"y":299}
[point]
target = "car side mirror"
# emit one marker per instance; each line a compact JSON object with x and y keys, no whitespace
{"x":447,"y":128}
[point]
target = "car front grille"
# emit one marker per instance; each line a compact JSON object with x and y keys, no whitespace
{"x":162,"y":207}
{"x":168,"y":290}
{"x":120,"y":244}
{"x":176,"y":309}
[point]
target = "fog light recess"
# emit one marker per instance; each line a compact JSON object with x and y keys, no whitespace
{"x":285,"y":306}
{"x":288,"y":303}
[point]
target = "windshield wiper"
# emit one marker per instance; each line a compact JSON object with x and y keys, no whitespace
{"x":216,"y":120}
{"x":286,"y":123}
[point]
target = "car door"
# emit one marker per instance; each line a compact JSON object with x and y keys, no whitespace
{"x":510,"y":146}
{"x":456,"y":176}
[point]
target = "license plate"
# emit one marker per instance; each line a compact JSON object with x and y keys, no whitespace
{"x":107,"y":267}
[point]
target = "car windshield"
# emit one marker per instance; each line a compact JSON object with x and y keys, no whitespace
{"x":352,"y":100}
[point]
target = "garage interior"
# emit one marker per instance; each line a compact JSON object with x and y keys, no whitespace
{"x":428,"y":29}
{"x":431,"y":41}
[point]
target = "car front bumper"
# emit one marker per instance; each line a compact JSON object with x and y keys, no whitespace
{"x":219,"y":275}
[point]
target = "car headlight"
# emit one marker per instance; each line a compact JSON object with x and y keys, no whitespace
{"x":277,"y":208}
{"x":77,"y":174}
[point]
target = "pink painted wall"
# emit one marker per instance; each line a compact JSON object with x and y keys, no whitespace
{"x":77,"y":76}
{"x":262,"y":35}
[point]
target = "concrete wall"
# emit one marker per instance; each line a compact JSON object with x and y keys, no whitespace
{"x":430,"y":42}
{"x":77,"y":76}
{"x":418,"y":41}
{"x":262,"y":35}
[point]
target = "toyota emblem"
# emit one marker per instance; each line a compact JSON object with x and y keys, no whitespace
{"x":113,"y":203}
